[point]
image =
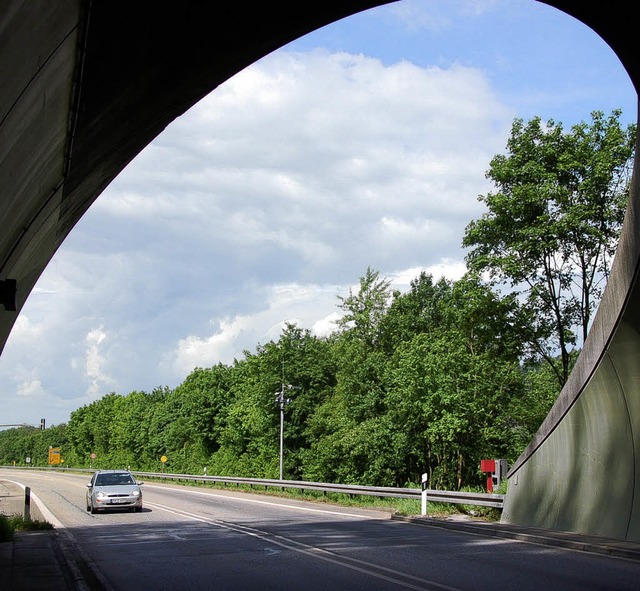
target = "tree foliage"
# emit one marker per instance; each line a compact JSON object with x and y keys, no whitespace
{"x":552,"y":225}
{"x":422,"y":381}
{"x":430,"y":380}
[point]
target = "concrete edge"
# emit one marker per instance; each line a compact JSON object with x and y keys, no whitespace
{"x":66,"y":550}
{"x":568,"y":540}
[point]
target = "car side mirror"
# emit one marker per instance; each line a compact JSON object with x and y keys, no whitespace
{"x":88,"y":485}
{"x":140,"y":483}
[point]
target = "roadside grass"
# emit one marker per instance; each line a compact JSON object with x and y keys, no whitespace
{"x":12,"y":523}
{"x":403,"y":507}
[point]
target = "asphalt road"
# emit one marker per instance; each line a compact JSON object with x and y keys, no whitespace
{"x":190,"y":538}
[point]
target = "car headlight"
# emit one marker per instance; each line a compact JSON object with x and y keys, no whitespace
{"x":101,"y":495}
{"x":135,"y":493}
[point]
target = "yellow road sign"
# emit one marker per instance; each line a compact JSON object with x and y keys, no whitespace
{"x":54,"y":455}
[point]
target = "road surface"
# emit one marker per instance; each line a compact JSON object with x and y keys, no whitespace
{"x":193,"y":538}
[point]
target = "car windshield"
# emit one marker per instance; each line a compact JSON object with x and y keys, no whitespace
{"x":113,"y":479}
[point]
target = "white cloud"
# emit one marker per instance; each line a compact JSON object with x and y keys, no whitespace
{"x":400,"y":229}
{"x":449,"y":269}
{"x":276,"y":192}
{"x":95,"y":361}
{"x":25,"y":331}
{"x":286,"y":304}
{"x":257,"y":208}
{"x":30,"y":389}
{"x":325,"y":326}
{"x":431,"y":15}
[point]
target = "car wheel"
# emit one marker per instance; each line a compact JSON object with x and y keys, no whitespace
{"x":138,"y":509}
{"x":93,"y":510}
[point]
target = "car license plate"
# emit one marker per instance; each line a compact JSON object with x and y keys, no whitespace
{"x":118,"y":501}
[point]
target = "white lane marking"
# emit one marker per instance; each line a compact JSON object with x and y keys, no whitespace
{"x":362,"y":566}
{"x":271,"y":503}
{"x":79,"y":580}
{"x":48,"y":516}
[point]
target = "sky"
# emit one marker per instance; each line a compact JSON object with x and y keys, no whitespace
{"x":364,"y":144}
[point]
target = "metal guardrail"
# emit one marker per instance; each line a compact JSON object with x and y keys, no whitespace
{"x":433,"y":496}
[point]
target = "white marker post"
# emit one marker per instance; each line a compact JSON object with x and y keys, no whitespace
{"x":27,"y":503}
{"x":424,"y":493}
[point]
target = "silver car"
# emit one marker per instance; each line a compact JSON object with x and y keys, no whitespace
{"x":113,"y":489}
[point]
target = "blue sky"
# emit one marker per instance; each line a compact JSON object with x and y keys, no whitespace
{"x":363,"y":144}
{"x":541,"y":61}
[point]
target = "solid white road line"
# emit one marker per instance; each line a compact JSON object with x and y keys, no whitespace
{"x":374,"y":570}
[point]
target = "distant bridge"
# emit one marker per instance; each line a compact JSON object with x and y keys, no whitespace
{"x":87,"y":84}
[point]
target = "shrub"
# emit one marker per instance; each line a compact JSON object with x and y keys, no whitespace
{"x":13,"y":523}
{"x":6,"y":530}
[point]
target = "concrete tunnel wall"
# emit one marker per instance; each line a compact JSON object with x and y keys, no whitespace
{"x":113,"y":81}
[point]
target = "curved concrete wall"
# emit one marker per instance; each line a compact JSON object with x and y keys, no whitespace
{"x":102,"y":78}
{"x":88,"y":84}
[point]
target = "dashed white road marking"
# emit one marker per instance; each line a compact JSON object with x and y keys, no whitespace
{"x":374,"y":570}
{"x":270,"y":503}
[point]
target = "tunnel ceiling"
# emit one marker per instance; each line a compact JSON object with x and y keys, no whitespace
{"x":88,"y":84}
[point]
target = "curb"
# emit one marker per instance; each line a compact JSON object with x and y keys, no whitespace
{"x":544,"y":537}
{"x":44,"y":559}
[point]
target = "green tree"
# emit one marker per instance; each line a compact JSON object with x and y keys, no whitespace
{"x":194,"y":416}
{"x":341,"y":449}
{"x":307,"y":365}
{"x":358,"y":348}
{"x":365,"y":308}
{"x":250,"y":436}
{"x":17,"y":444}
{"x":417,"y":311}
{"x":450,"y":385}
{"x":90,"y":430}
{"x":551,"y":228}
{"x":529,"y":408}
{"x":131,"y":433}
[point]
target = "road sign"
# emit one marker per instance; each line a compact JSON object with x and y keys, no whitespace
{"x":54,"y":455}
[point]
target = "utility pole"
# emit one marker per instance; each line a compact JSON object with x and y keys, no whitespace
{"x":282,"y":401}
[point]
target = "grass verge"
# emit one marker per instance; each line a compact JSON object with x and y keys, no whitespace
{"x":12,"y":523}
{"x":405,"y":507}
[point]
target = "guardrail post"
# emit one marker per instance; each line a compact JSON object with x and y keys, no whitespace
{"x":425,"y":478}
{"x":436,"y":496}
{"x":27,"y":503}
